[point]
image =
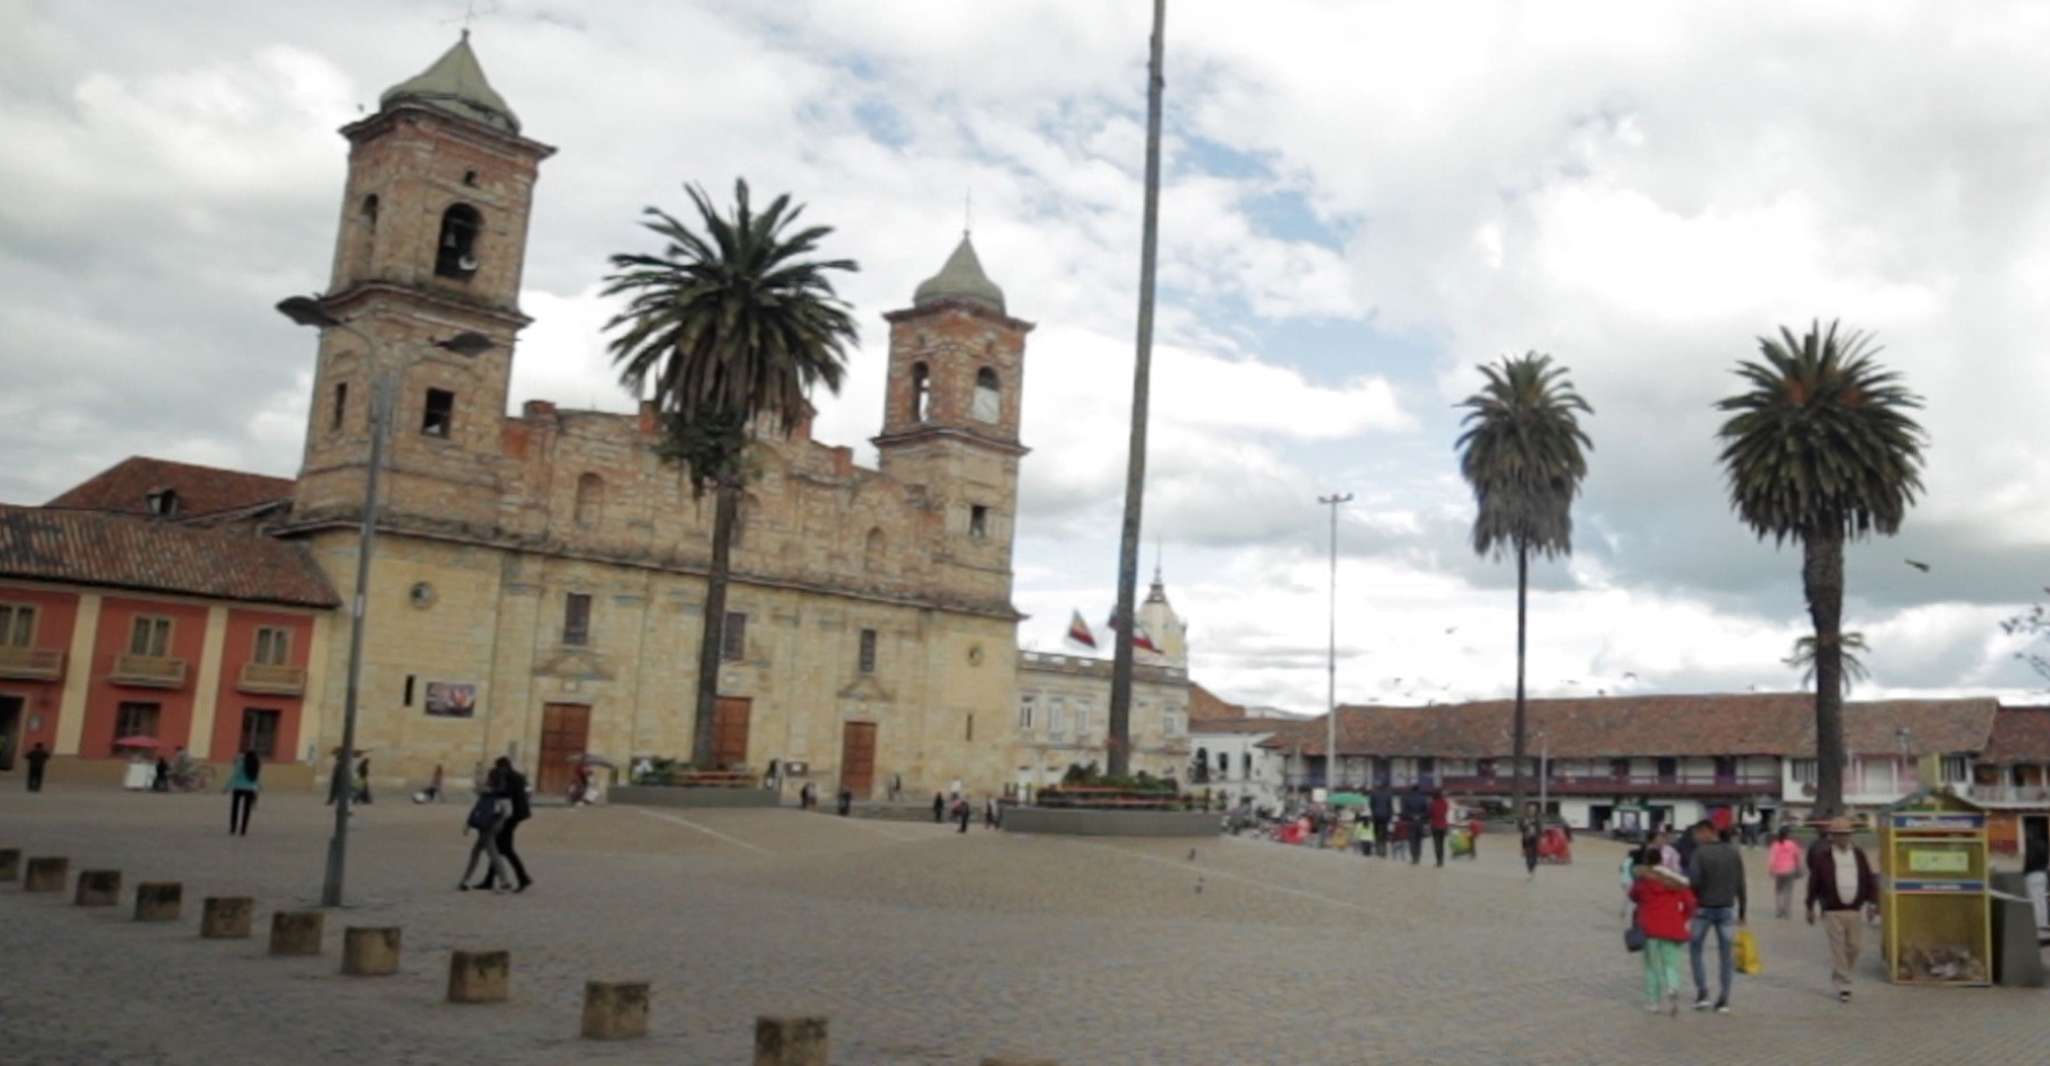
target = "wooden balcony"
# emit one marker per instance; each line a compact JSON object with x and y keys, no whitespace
{"x":1709,"y":785}
{"x":267,"y":680}
{"x":148,"y":671}
{"x":31,"y":664}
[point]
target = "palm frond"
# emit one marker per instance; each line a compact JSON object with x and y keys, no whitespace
{"x":1524,"y":453}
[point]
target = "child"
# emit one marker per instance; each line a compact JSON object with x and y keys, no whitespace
{"x":1665,"y":906}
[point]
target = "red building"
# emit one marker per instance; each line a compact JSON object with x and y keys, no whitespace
{"x":156,"y":617}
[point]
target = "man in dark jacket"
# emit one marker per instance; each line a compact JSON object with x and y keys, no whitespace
{"x":37,"y":757}
{"x":1416,"y":810}
{"x":1716,"y":870}
{"x":1840,"y":882}
{"x":1381,"y":808}
{"x":512,"y":785}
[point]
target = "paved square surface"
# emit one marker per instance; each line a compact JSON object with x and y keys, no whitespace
{"x":921,"y":946}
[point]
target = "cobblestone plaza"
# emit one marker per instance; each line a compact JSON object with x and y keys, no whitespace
{"x":920,"y":945}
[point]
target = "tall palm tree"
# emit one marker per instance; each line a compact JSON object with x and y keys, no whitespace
{"x":1820,"y":448}
{"x":731,"y":326}
{"x":1803,"y":658}
{"x":1524,"y":453}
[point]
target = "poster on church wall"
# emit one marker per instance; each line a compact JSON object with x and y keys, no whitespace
{"x":449,"y":699}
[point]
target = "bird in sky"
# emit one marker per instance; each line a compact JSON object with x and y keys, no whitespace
{"x":1628,"y":676}
{"x":1449,"y":630}
{"x":1923,"y":567}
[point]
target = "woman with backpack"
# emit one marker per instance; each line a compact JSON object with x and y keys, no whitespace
{"x":487,"y":816}
{"x":1665,"y":907}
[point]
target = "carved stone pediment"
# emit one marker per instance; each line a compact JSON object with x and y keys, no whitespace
{"x":866,"y":689}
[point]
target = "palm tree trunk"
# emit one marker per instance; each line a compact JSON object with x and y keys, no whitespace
{"x":1822,"y":580}
{"x":1522,"y":594}
{"x":1120,"y":739}
{"x":712,"y":644}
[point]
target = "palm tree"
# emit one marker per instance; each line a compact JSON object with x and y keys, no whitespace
{"x":1803,"y":658}
{"x":731,"y":326}
{"x":1820,"y":448}
{"x":1523,"y":451}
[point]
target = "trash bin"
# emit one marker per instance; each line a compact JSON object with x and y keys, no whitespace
{"x":2017,"y":959}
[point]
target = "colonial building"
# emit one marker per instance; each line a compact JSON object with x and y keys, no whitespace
{"x":1231,"y":760}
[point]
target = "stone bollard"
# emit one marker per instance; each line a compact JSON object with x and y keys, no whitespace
{"x":790,"y":1042}
{"x":295,"y":932}
{"x":158,"y":901}
{"x":98,"y":888}
{"x":370,"y":951}
{"x":478,"y":976}
{"x":10,"y":864}
{"x":226,"y":917}
{"x":46,"y":874}
{"x":615,"y":1010}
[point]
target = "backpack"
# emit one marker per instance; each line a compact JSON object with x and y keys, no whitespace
{"x":483,"y":812}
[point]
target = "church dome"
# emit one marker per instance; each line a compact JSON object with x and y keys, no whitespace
{"x":455,"y":84}
{"x":960,"y":279}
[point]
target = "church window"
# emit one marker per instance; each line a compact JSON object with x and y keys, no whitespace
{"x":733,"y":637}
{"x":1056,"y":717}
{"x":455,"y":253}
{"x":438,"y":416}
{"x":1026,"y":705}
{"x":470,"y":177}
{"x":921,"y":392}
{"x":988,"y":396}
{"x":341,"y":405}
{"x":872,"y":552}
{"x":868,"y":651}
{"x":978,"y":521}
{"x":590,"y":499}
{"x":576,"y":619}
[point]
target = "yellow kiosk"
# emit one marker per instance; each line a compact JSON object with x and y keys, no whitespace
{"x":1932,"y":892}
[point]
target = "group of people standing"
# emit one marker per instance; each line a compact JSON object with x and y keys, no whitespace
{"x":1688,"y":888}
{"x":1405,"y":823}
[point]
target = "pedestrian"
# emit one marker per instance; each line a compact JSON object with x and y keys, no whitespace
{"x":1416,"y":810}
{"x":1399,"y":843}
{"x":1841,"y":884}
{"x":1747,"y":825}
{"x":1381,"y":806}
{"x":1665,"y":907}
{"x":242,"y":788}
{"x":434,"y":785}
{"x":1529,"y":829}
{"x":37,"y":757}
{"x":1363,"y":835}
{"x":486,"y":815}
{"x":808,"y":796}
{"x":961,"y":812}
{"x":939,"y":809}
{"x":511,"y":786}
{"x":1783,"y":861}
{"x":1441,"y":821}
{"x":363,"y":780}
{"x":896,"y":787}
{"x":1668,"y":855}
{"x":989,"y":812}
{"x":162,"y":781}
{"x":2035,"y":865}
{"x":1716,"y":871}
{"x":846,"y":801}
{"x":1685,"y":840}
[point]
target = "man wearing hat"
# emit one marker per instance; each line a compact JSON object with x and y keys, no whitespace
{"x":1841,"y":884}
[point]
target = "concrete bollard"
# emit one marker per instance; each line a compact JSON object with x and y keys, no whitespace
{"x":159,"y":901}
{"x":46,"y":874}
{"x":295,"y":933}
{"x":478,"y":976}
{"x":98,"y":888}
{"x":226,"y":917}
{"x":10,"y":864}
{"x":615,"y":1010}
{"x":370,"y":951}
{"x":790,"y":1042}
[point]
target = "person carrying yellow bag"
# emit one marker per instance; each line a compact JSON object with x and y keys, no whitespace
{"x":1748,"y":962}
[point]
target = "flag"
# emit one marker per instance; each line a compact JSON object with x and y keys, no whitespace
{"x":1140,"y":639}
{"x":1078,"y":631}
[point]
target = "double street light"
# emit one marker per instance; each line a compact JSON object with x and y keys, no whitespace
{"x":310,"y":311}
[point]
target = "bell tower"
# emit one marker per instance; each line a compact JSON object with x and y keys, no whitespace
{"x":951,"y":412}
{"x":431,"y":243}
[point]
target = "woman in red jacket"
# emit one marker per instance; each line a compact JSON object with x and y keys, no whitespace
{"x":1665,"y":906}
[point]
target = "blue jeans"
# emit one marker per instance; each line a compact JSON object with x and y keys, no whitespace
{"x":1724,"y":921}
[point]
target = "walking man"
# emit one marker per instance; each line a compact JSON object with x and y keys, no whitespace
{"x":37,"y":757}
{"x":512,"y":786}
{"x":1441,"y":820}
{"x":1381,"y":806}
{"x":1840,"y":882}
{"x":1416,"y":810}
{"x":1716,"y":871}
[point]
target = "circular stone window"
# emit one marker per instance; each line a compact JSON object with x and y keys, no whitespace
{"x":421,"y":594}
{"x":975,"y":655}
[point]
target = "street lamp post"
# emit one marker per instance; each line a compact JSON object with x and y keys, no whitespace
{"x":1544,"y":772}
{"x":309,"y":311}
{"x":1333,"y":501}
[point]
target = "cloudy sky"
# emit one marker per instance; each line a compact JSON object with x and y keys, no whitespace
{"x":1363,"y":201}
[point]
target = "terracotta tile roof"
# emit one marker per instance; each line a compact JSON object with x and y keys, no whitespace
{"x":125,"y":486}
{"x":121,"y":551}
{"x":1206,"y":706}
{"x":1735,"y":724}
{"x":2020,"y":735}
{"x":1244,"y":725}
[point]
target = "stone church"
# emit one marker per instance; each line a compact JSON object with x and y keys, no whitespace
{"x":539,"y":577}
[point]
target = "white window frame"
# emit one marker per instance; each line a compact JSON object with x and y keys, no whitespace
{"x":1057,"y":717}
{"x":1027,"y":705}
{"x":1803,"y":771}
{"x":1963,"y":766}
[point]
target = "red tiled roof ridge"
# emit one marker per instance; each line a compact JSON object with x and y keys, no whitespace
{"x":201,"y":489}
{"x":114,"y":550}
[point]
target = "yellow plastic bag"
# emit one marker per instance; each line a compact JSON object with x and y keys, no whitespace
{"x":1748,"y":961}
